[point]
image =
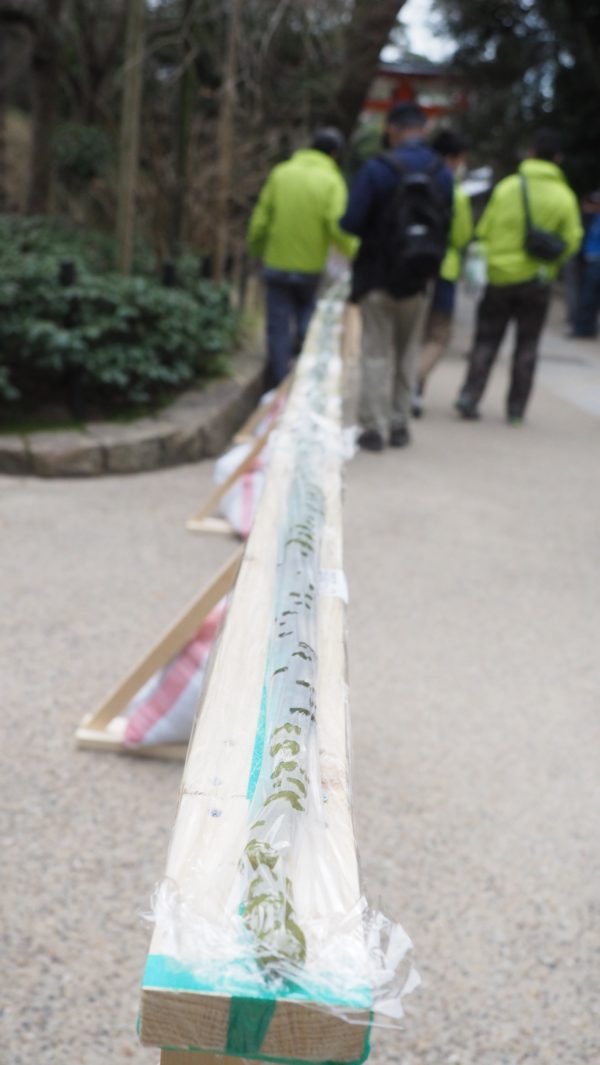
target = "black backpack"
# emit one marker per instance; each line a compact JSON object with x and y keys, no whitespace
{"x":413,"y":234}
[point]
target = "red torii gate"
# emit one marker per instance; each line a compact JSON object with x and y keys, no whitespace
{"x":436,"y":88}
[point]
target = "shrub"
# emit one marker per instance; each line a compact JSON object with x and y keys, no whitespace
{"x":58,"y":238}
{"x":129,"y":340}
{"x":81,"y":153}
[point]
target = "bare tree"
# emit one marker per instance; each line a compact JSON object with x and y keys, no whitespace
{"x":3,"y":152}
{"x":225,"y":141}
{"x":368,"y":31}
{"x":130,"y":134}
{"x":44,"y":87}
{"x":96,"y":32}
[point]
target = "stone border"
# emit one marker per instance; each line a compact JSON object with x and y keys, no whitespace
{"x":197,"y":425}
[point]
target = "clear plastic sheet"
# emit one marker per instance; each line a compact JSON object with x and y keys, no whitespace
{"x":271,"y":909}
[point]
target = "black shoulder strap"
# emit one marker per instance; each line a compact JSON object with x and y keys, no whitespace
{"x":436,"y":164}
{"x":394,"y":162}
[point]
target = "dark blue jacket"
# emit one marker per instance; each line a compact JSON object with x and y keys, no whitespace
{"x":369,"y":194}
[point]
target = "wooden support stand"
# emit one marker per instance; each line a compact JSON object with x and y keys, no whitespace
{"x":248,"y":430}
{"x":104,"y":728}
{"x":205,"y":520}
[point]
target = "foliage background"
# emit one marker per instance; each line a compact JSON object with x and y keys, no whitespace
{"x":528,"y":63}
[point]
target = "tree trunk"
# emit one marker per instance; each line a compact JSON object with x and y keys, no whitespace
{"x":44,"y":75}
{"x":368,"y":32}
{"x":130,"y":134}
{"x":184,"y":118}
{"x":225,"y":144}
{"x":3,"y":152}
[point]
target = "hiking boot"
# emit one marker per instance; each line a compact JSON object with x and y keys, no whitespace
{"x":370,"y":440}
{"x":399,"y":437}
{"x":467,"y":410}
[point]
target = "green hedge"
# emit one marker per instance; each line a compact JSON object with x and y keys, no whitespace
{"x":128,"y":340}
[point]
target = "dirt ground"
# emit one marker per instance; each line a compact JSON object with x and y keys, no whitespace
{"x":472,"y":560}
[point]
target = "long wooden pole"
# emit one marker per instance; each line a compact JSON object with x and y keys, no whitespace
{"x":225,"y":143}
{"x":130,"y":132}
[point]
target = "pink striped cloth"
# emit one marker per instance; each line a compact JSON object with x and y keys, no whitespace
{"x":240,"y":503}
{"x":163,"y":711}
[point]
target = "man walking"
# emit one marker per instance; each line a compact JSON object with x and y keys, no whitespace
{"x":293,"y":226}
{"x":530,"y":227}
{"x":399,"y":205}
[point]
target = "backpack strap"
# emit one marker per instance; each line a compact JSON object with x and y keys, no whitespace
{"x":435,"y":166}
{"x":525,"y":196}
{"x":392,"y":160}
{"x":431,"y":170}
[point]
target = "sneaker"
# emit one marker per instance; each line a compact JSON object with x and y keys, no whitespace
{"x":417,"y":407}
{"x":514,"y":419}
{"x":467,"y":410}
{"x":399,"y":437}
{"x":370,"y":440}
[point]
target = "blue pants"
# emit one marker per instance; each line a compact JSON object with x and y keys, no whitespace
{"x":588,"y":304}
{"x":444,"y":296}
{"x":291,"y":300}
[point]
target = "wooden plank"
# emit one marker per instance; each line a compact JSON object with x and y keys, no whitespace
{"x":187,"y":1001}
{"x":219,"y":526}
{"x":197,"y":523}
{"x":183,"y":1058}
{"x":170,"y":644}
{"x":247,"y":431}
{"x":111,"y":739}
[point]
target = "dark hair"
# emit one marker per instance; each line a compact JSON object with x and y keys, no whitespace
{"x":329,"y":140}
{"x":447,"y":143}
{"x":547,"y":144}
{"x":407,"y":116}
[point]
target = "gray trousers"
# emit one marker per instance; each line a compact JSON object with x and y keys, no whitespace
{"x":388,"y":359}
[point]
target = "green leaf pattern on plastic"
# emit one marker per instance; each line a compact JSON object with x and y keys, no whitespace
{"x":291,"y":749}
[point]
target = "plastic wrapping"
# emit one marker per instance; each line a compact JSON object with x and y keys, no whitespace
{"x":261,"y":912}
{"x":475,"y":268}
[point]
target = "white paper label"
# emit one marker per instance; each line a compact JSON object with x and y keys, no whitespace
{"x":333,"y":584}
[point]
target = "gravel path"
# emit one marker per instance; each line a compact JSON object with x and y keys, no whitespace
{"x":475,"y":609}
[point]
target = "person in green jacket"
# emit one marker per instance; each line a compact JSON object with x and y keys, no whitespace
{"x":519,"y":284}
{"x":292,"y":227}
{"x":438,"y":324}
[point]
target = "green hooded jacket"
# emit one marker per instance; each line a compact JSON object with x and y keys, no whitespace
{"x":461,"y":232}
{"x":295,"y":220}
{"x":553,"y":207}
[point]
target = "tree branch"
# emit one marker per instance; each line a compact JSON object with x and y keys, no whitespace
{"x":12,"y":13}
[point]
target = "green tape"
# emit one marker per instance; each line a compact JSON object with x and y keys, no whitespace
{"x":249,"y":1021}
{"x":245,"y":987}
